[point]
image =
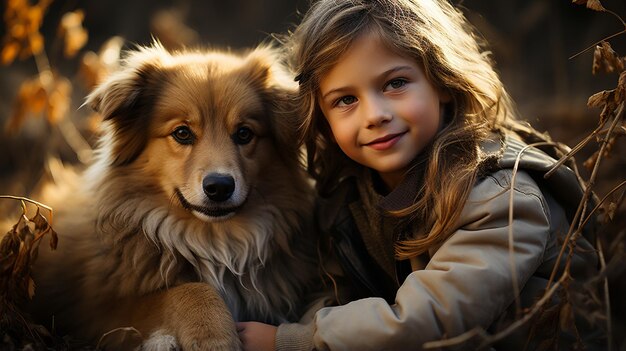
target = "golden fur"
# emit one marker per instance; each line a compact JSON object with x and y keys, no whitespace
{"x":196,"y":195}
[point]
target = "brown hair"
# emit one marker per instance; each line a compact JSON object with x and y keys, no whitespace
{"x":437,"y":36}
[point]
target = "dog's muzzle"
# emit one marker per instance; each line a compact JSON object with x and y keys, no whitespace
{"x":218,"y":187}
{"x":220,"y":204}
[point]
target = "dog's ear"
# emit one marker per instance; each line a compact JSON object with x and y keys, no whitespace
{"x":279,"y":90}
{"x":126,"y":99}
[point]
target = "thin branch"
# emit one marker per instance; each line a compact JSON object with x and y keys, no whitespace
{"x":609,"y":324}
{"x":573,"y":151}
{"x":583,"y":203}
{"x":590,"y":215}
{"x":490,"y":339}
{"x":598,"y":42}
{"x":20,"y":198}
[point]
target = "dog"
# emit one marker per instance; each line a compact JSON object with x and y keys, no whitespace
{"x":195,"y":213}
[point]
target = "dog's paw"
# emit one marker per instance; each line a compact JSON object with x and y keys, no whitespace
{"x":216,"y":345}
{"x":159,"y":341}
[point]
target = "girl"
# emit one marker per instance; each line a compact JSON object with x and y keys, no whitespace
{"x":412,"y":142}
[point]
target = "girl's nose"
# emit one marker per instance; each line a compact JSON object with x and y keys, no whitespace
{"x":377,"y":112}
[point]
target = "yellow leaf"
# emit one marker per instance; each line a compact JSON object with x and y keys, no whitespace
{"x":75,"y":36}
{"x":9,"y":52}
{"x":31,"y":99}
{"x":59,"y":100}
{"x":18,"y":31}
{"x":36,"y":43}
{"x":33,"y":19}
{"x":74,"y":41}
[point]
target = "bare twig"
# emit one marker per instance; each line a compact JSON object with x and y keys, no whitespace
{"x":490,"y":339}
{"x":573,"y":151}
{"x":609,"y":323}
{"x":20,"y":198}
{"x":579,"y":216}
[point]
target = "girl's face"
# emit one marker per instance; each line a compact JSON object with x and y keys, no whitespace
{"x":380,"y":107}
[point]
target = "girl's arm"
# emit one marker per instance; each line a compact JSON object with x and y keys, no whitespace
{"x":468,"y":282}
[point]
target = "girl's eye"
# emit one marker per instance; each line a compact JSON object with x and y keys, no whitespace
{"x":345,"y":100}
{"x":243,"y":135}
{"x":395,"y":84}
{"x":183,"y":135}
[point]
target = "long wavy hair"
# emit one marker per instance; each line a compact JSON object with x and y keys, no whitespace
{"x":441,"y":40}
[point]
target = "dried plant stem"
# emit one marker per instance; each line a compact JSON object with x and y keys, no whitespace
{"x":599,"y":41}
{"x":620,"y":185}
{"x":609,"y":323}
{"x":518,"y":306}
{"x":574,"y":150}
{"x":20,"y":198}
{"x":39,"y":204}
{"x":583,"y":203}
{"x":489,"y":340}
{"x":68,"y":130}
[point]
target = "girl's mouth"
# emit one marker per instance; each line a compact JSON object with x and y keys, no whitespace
{"x":385,"y":142}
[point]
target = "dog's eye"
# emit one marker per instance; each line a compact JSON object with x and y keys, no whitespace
{"x":183,"y":135}
{"x":243,"y":135}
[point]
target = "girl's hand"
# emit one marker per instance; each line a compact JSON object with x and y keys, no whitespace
{"x":257,"y":336}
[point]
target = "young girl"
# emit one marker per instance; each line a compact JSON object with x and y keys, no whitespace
{"x":412,"y":142}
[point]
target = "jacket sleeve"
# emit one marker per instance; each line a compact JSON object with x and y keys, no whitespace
{"x":467,"y":283}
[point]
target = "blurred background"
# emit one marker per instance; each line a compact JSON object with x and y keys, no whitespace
{"x":75,"y":43}
{"x":531,"y":42}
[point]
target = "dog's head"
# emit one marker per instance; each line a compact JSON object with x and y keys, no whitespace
{"x":204,"y":127}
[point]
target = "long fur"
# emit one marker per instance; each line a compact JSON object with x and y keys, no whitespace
{"x":124,"y":231}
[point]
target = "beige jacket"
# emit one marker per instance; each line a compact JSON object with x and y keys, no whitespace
{"x":467,"y":282}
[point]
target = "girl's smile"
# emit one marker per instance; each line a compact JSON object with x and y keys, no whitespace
{"x":385,"y":142}
{"x":380,"y":106}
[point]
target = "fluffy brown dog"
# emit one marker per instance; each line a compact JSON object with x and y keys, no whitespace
{"x":196,"y":197}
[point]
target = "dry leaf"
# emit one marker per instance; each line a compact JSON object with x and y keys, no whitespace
{"x":605,"y":59}
{"x":23,"y":22}
{"x":610,"y":210}
{"x":90,"y":69}
{"x":46,"y":93}
{"x":31,"y":99}
{"x":94,"y":67}
{"x":601,"y":98}
{"x":59,"y":100}
{"x":566,"y":319}
{"x":591,"y":161}
{"x":591,"y":4}
{"x":73,"y":33}
{"x":9,"y":52}
{"x":34,"y":44}
{"x":41,"y":223}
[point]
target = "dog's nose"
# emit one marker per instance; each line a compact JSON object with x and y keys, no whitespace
{"x":218,"y":187}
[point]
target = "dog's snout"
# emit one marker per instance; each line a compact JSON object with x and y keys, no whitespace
{"x":218,"y":187}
